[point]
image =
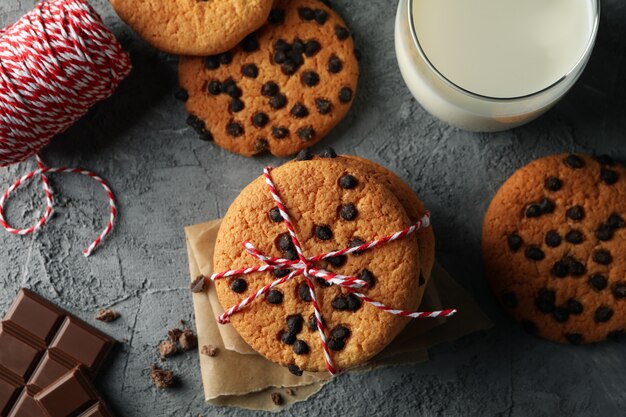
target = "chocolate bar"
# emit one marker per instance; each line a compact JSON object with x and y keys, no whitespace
{"x":39,"y":344}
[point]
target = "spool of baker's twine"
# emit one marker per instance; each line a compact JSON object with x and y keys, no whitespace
{"x":56,"y":62}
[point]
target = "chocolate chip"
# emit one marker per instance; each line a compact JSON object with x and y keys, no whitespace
{"x":574,"y":338}
{"x":297,"y":47}
{"x":288,"y":338}
{"x":289,"y":67}
{"x":260,"y":119}
{"x":355,"y":243}
{"x":275,"y":215}
{"x":261,"y":145}
{"x":277,"y":399}
{"x":226,"y":58}
{"x":619,"y":290}
{"x":280,"y":273}
{"x":274,"y":297}
{"x":249,"y":43}
{"x":553,"y":239}
{"x":514,"y":241}
{"x":280,"y":57}
{"x":270,"y":89}
{"x":306,"y":13}
{"x":323,"y":232}
{"x":553,"y":184}
{"x":530,"y":327}
{"x":576,"y":268}
{"x":598,"y":282}
{"x":576,"y":213}
{"x":300,"y":347}
{"x":250,"y":71}
{"x":276,"y":17}
{"x":294,"y":369}
{"x":574,"y":162}
{"x":214,"y":88}
{"x":304,"y":293}
{"x":354,"y":302}
{"x":290,"y":254}
{"x":545,"y":301}
{"x":604,"y":160}
{"x":200,"y":127}
{"x":337,"y":261}
{"x":560,"y":314}
{"x":236,"y":105}
{"x":295,"y":323}
{"x":278,"y":101}
{"x":534,"y":253}
{"x":296,"y":58}
{"x":230,"y":87}
{"x":602,"y":257}
{"x":574,"y":306}
{"x":509,"y":300}
{"x":357,"y":54}
{"x":311,"y":48}
{"x":321,"y":16}
{"x":336,"y":344}
{"x":575,"y":237}
{"x":310,"y":78}
{"x":306,"y":133}
{"x":239,"y":285}
{"x":345,"y":94}
{"x":616,"y":221}
{"x":280,"y":132}
{"x":560,"y":269}
{"x":546,"y":206}
{"x":533,"y":211}
{"x":603,"y":314}
{"x":609,"y":176}
{"x":342,"y":33}
{"x":323,"y":106}
{"x":328,"y":152}
{"x":211,"y":62}
{"x":234,"y":129}
{"x":334,"y":65}
{"x":304,"y":155}
{"x":299,"y":111}
{"x":367,"y":276}
{"x":313,"y":322}
{"x":340,"y":303}
{"x":181,"y":95}
{"x":285,"y":242}
{"x":421,"y":280}
{"x":348,"y":212}
{"x":604,"y":232}
{"x":616,"y":335}
{"x":348,"y":182}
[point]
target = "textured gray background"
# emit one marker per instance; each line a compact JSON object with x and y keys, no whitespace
{"x":165,"y":179}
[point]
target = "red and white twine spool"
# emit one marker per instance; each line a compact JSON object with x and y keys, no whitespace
{"x":304,"y":266}
{"x":55,"y":63}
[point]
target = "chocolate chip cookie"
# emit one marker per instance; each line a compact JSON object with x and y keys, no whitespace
{"x":281,"y":89}
{"x":193,"y":27}
{"x":554,"y":248}
{"x":333,"y":205}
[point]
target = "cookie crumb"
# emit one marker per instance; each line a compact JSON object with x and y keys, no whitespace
{"x":107,"y":315}
{"x":197,"y":285}
{"x":290,"y":392}
{"x":174,"y":334}
{"x":208,"y":350}
{"x":188,"y":340}
{"x":277,"y":398}
{"x":167,"y":348}
{"x":162,"y":378}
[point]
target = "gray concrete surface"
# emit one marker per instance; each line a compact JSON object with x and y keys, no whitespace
{"x":165,"y":179}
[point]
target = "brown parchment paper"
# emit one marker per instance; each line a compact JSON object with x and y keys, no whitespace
{"x":238,"y":377}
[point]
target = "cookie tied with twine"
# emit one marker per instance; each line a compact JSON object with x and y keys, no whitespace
{"x":57,"y":61}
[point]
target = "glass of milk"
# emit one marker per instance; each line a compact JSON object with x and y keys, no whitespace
{"x":491,"y":65}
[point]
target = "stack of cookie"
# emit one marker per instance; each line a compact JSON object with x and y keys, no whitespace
{"x":256,"y":76}
{"x":334,"y":202}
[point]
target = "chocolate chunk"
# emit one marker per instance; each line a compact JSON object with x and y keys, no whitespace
{"x":289,"y":67}
{"x":294,"y":369}
{"x":261,"y":145}
{"x":275,"y":216}
{"x":340,"y":303}
{"x":323,"y":232}
{"x":239,"y":285}
{"x":107,"y":315}
{"x":280,"y":132}
{"x":321,"y":16}
{"x":348,"y":182}
{"x":280,"y":273}
{"x":576,"y":213}
{"x":328,"y":152}
{"x":334,"y":65}
{"x":311,"y":48}
{"x":546,"y":206}
{"x":323,"y":106}
{"x":250,"y":71}
{"x":167,"y":349}
{"x":340,"y":332}
{"x":533,"y":211}
{"x":619,"y":290}
{"x":161,"y":378}
{"x":214,"y":88}
{"x":574,"y":338}
{"x":602,"y":257}
{"x":337,"y":261}
{"x":295,"y":323}
{"x":236,"y":105}
{"x":304,"y":293}
{"x":345,"y":94}
{"x":616,"y":221}
{"x":574,"y":306}
{"x":604,"y":232}
{"x":603,"y":314}
{"x":609,"y":176}
{"x":200,"y":128}
{"x":226,"y":58}
{"x":212,"y":62}
{"x":300,"y":347}
{"x":278,"y":101}
{"x":616,"y":335}
{"x":306,"y":133}
{"x":249,"y":43}
{"x":534,"y":253}
{"x":270,"y":89}
{"x":598,"y":282}
{"x":509,"y":300}
{"x":277,"y":399}
{"x":530,"y":327}
{"x":276,"y":17}
{"x":187,"y":340}
{"x":553,"y":184}
{"x":560,"y":314}
{"x":336,"y":344}
{"x":299,"y":111}
{"x":575,"y":237}
{"x":304,"y":155}
{"x":197,"y":285}
{"x":181,"y":95}
{"x":545,"y":301}
{"x":553,"y":239}
{"x":574,"y":162}
{"x":560,"y":269}
{"x":275,"y":297}
{"x":285,"y":242}
{"x":348,"y":212}
{"x":575,"y":267}
{"x":234,"y":129}
{"x":342,"y":33}
{"x":310,"y":78}
{"x":288,"y":338}
{"x":514,"y":241}
{"x":354,"y":302}
{"x":306,"y":13}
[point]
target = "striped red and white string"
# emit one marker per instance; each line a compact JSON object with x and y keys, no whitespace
{"x":304,"y":266}
{"x":56,"y":62}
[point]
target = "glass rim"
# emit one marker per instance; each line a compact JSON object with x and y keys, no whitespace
{"x":566,"y":76}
